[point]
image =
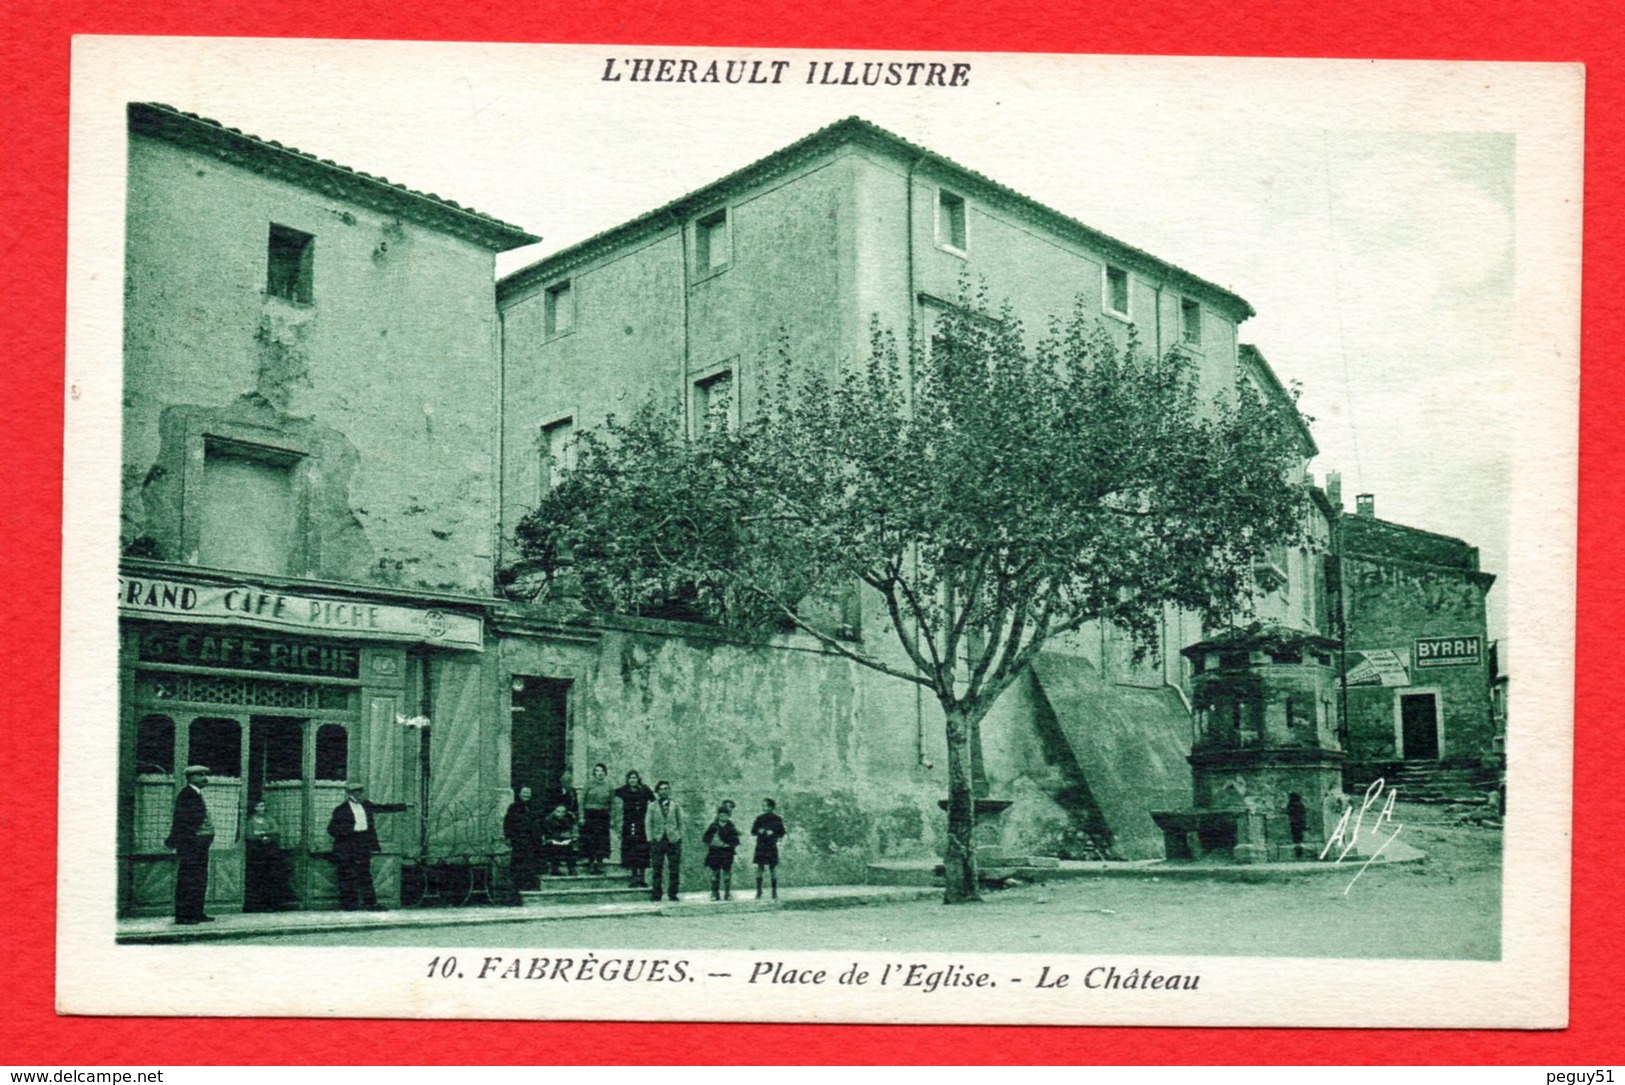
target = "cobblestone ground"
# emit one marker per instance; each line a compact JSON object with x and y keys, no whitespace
{"x":1447,"y":906}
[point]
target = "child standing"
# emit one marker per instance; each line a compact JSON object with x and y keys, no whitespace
{"x":768,"y":829}
{"x":721,"y":838}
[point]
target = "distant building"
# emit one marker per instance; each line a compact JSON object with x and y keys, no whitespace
{"x":1418,"y":673}
{"x":309,"y":499}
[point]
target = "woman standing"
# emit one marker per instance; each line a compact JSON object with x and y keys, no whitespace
{"x":596,"y":799}
{"x":635,"y":797}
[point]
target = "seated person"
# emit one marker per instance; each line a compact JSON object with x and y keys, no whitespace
{"x":558,"y":840}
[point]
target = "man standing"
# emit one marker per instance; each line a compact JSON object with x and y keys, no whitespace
{"x":665,"y":832}
{"x":355,"y":841}
{"x":190,"y":834}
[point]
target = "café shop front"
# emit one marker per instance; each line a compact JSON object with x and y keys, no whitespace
{"x":283,"y":695}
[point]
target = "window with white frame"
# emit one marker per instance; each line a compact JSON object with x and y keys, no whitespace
{"x":951,"y":221}
{"x":1115,"y":298}
{"x":713,"y":249}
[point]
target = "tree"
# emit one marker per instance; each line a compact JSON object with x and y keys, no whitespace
{"x":992,"y":496}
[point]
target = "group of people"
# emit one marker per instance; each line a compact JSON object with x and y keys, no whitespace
{"x":548,"y":836}
{"x":353,"y":827}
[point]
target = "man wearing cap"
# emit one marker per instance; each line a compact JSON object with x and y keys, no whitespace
{"x":190,"y":834}
{"x":355,"y":841}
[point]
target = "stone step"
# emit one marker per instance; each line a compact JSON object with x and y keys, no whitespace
{"x":551,"y":895}
{"x":584,"y":881}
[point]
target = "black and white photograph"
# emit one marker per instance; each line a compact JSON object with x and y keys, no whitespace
{"x":672,"y":534}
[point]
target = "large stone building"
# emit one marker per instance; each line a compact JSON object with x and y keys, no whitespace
{"x":689,"y":305}
{"x":310,"y":485}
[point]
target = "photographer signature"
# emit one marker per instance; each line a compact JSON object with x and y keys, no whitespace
{"x":1349,"y":837}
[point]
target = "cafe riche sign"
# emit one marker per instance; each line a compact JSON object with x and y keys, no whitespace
{"x":266,"y":608}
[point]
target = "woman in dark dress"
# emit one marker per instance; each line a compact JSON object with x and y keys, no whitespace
{"x":635,"y":797}
{"x":268,"y":881}
{"x":596,"y":800}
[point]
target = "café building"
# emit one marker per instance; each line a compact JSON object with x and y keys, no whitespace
{"x":283,"y":692}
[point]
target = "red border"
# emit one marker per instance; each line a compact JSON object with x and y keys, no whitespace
{"x":34,"y":168}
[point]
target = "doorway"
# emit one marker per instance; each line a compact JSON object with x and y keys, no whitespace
{"x":540,"y":740}
{"x":1419,"y":726}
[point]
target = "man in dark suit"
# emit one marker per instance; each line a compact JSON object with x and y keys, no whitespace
{"x":190,"y":834}
{"x":353,"y":828}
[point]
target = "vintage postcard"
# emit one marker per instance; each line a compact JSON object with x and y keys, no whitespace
{"x":694,"y":534}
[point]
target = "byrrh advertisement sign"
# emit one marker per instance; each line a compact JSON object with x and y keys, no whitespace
{"x":245,"y":604}
{"x":1449,"y":651}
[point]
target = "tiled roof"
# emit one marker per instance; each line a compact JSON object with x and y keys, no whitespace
{"x":857,"y":130}
{"x":324,"y":175}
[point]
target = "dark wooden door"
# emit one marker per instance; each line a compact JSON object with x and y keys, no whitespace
{"x":1419,"y":721}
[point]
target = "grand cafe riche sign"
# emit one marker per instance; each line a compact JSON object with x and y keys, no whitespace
{"x":265,"y":608}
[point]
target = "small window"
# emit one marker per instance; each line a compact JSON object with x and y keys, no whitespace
{"x":1116,"y":298}
{"x":559,"y":309}
{"x":711,"y":243}
{"x":714,"y":406}
{"x":1190,"y":322}
{"x":555,"y":450}
{"x":290,"y":264}
{"x":951,"y":220}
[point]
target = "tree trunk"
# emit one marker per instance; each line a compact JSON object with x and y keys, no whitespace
{"x":959,"y":862}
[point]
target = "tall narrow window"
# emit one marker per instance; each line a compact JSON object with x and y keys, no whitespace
{"x":559,"y":309}
{"x":1190,"y":322}
{"x":249,"y":512}
{"x":155,"y":746}
{"x":714,"y":404}
{"x":555,"y":449}
{"x":951,"y":220}
{"x":712,"y":249}
{"x":290,"y":264}
{"x":1116,"y":299}
{"x":332,"y":752}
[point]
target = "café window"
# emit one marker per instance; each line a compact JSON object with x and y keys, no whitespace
{"x":216,"y":744}
{"x":155,"y":746}
{"x":248,"y":519}
{"x":332,"y":752}
{"x":284,"y":750}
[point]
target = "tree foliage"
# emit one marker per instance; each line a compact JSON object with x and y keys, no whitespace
{"x":993,"y":497}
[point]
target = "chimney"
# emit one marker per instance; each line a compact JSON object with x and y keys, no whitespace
{"x":1334,"y":489}
{"x":1365,"y":505}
